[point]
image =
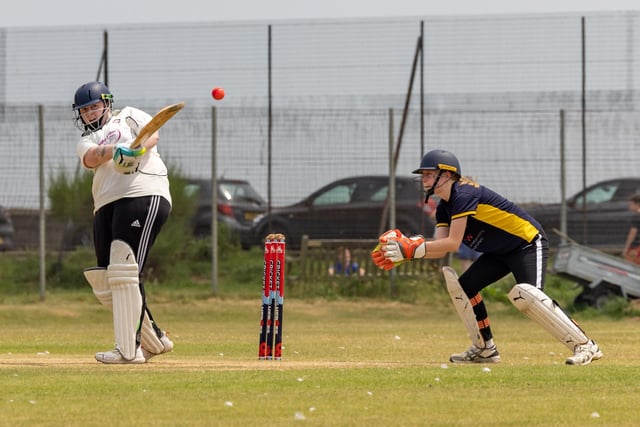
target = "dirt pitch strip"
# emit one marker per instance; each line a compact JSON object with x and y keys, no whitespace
{"x":173,"y":363}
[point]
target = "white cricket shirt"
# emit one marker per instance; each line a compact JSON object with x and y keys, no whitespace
{"x":109,"y":184}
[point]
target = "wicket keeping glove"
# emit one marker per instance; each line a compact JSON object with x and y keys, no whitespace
{"x":378,"y":254}
{"x":378,"y":258}
{"x":404,"y":248}
{"x":125,"y":159}
{"x":394,"y":248}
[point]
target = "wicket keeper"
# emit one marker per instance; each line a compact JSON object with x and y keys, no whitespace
{"x":510,"y":240}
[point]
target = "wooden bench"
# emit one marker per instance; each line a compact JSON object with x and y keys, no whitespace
{"x":316,"y":256}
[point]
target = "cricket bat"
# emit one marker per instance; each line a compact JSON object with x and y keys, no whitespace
{"x":156,"y":123}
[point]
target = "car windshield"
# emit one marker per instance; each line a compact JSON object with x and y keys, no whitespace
{"x":335,"y":195}
{"x":378,"y":191}
{"x":381,"y":194}
{"x":365,"y":191}
{"x":227,"y":190}
{"x":600,"y":194}
{"x":238,"y":191}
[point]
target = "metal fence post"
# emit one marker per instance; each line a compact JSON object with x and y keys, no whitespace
{"x":42,"y":190}
{"x":214,"y":203}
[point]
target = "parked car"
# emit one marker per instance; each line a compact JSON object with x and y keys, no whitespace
{"x":349,"y":208}
{"x":6,"y":230}
{"x":238,"y":205}
{"x":605,"y":215}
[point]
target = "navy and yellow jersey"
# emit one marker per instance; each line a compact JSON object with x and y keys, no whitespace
{"x":494,"y":224}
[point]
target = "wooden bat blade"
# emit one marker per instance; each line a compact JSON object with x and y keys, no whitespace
{"x":156,"y":123}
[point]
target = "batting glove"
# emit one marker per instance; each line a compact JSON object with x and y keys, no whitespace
{"x":404,"y":248}
{"x":126,"y":159}
{"x":123,"y":150}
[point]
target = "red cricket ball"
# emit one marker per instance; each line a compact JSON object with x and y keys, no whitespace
{"x":217,"y":93}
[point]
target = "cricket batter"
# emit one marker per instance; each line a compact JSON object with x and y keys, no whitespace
{"x":510,"y":240}
{"x":131,"y":204}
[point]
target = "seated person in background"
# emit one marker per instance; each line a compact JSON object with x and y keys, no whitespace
{"x":344,"y":265}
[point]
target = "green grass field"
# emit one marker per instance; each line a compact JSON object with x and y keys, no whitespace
{"x":346,"y":363}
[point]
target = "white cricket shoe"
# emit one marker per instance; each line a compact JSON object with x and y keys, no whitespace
{"x":166,"y":342}
{"x":115,"y":357}
{"x":477,"y":355}
{"x":583,"y":354}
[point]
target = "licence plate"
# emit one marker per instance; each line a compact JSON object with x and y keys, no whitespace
{"x":249,"y":216}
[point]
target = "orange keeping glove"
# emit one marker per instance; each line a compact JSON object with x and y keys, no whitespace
{"x":379,"y":259}
{"x":389,"y":235}
{"x":404,"y":248}
{"x":384,"y":253}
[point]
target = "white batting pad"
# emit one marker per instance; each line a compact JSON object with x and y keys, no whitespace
{"x":540,"y":308}
{"x":463,"y":306}
{"x":149,"y":338}
{"x":97,"y":278}
{"x":122,"y":275}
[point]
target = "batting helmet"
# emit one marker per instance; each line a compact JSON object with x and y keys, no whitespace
{"x":91,"y":93}
{"x":439,"y":160}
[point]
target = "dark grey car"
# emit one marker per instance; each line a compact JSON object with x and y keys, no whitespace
{"x":6,"y":230}
{"x":598,"y":217}
{"x":238,"y":205}
{"x":349,"y":208}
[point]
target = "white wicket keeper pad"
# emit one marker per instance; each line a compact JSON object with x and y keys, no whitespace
{"x":463,"y":306}
{"x":122,"y":275}
{"x":540,"y":308}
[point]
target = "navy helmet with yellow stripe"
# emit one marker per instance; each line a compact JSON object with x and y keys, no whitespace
{"x":439,"y":160}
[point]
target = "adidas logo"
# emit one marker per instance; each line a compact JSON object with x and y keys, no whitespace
{"x":136,"y":223}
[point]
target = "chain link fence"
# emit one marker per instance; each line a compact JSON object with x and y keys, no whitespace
{"x":491,"y":91}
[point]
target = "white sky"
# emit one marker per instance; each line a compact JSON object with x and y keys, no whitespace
{"x":26,"y":13}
